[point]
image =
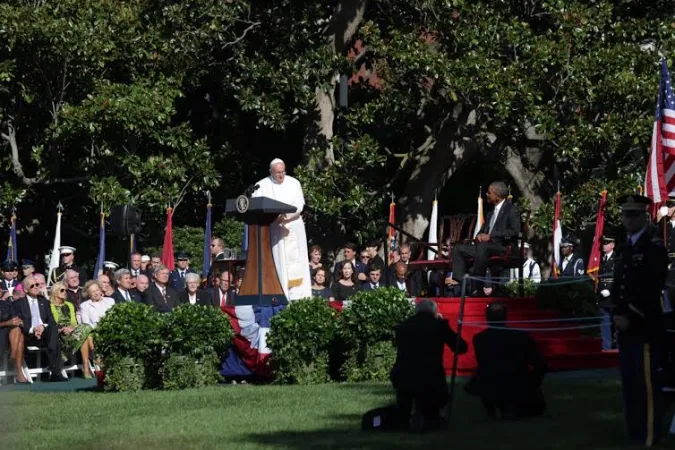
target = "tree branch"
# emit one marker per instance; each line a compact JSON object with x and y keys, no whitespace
{"x":181,"y":195}
{"x":243,"y":35}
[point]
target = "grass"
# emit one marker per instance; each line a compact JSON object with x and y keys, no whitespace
{"x":583,"y":414}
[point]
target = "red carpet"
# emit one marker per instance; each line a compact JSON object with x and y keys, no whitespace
{"x":564,"y":350}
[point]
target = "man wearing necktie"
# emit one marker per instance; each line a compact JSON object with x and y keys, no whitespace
{"x":605,"y":282}
{"x":124,"y":293}
{"x":499,"y":231}
{"x":182,"y":269}
{"x":159,"y":294}
{"x":640,"y":272}
{"x":223,"y":292}
{"x":39,"y":326}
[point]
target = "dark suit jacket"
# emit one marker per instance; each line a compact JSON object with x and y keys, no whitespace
{"x":215,"y":296}
{"x":507,"y":227}
{"x":22,"y":310}
{"x":367,"y":287}
{"x":204,"y":297}
{"x":574,"y":268}
{"x":509,"y":364}
{"x":135,"y":296}
{"x":175,"y":280}
{"x":153,"y":297}
{"x":419,"y":354}
{"x":6,"y":285}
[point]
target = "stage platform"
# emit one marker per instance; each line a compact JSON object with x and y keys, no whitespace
{"x":563,"y":349}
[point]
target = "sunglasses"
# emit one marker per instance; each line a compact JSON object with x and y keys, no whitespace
{"x":34,"y":285}
{"x":62,"y":290}
{"x":26,"y":267}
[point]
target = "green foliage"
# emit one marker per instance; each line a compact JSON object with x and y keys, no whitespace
{"x":512,"y":288}
{"x":197,"y":331}
{"x":371,"y":363}
{"x":129,"y":330}
{"x":570,"y":299}
{"x":180,"y":372}
{"x":300,"y":337}
{"x":124,"y":374}
{"x":231,"y":231}
{"x":372,"y":316}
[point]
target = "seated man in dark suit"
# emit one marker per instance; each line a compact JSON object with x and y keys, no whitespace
{"x":160,"y":295}
{"x":39,"y":327}
{"x":374,"y":280}
{"x":501,"y":229}
{"x":510,"y":369}
{"x":193,"y":295}
{"x":418,"y":374}
{"x":124,"y":292}
{"x":409,"y":283}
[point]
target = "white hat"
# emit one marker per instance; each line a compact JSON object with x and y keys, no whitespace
{"x":145,"y":258}
{"x":526,"y":245}
{"x":66,"y":250}
{"x":110,"y":265}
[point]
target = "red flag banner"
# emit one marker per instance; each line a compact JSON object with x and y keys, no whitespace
{"x":391,"y":237}
{"x":167,"y":249}
{"x":596,"y":249}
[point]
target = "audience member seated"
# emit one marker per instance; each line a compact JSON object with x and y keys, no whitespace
{"x":510,"y":370}
{"x":10,"y":331}
{"x":160,"y":295}
{"x":73,"y":336}
{"x":75,"y":296}
{"x":106,"y":285}
{"x":17,"y":294}
{"x":142,"y":285}
{"x":375,"y":280}
{"x":39,"y":327}
{"x":94,"y":309}
{"x":418,"y":375}
{"x":315,"y":255}
{"x":319,"y":284}
{"x":346,"y":285}
{"x":193,"y":295}
{"x":358,"y":267}
{"x":499,"y":231}
{"x":124,"y":292}
{"x":375,"y":258}
{"x":404,"y":281}
{"x":223,"y":294}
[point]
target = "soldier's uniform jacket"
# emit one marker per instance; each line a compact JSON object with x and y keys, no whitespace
{"x":670,"y":246}
{"x":606,"y":273}
{"x":59,"y":272}
{"x":639,"y":276}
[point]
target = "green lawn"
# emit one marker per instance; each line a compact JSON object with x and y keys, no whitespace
{"x":584,"y":414}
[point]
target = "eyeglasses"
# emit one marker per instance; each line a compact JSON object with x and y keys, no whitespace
{"x":26,"y":267}
{"x":62,"y":290}
{"x":34,"y":285}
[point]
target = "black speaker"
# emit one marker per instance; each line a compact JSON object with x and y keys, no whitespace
{"x":125,"y":220}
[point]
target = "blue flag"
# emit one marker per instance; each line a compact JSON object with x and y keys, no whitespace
{"x":101,"y":248}
{"x":244,"y":241}
{"x":206,"y":265}
{"x":12,"y":254}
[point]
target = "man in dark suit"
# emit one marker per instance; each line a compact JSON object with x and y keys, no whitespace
{"x":418,"y":374}
{"x":223,"y":295}
{"x":10,"y":270}
{"x":193,"y":295}
{"x":39,"y":327}
{"x":510,"y":369}
{"x":501,"y":229}
{"x":124,"y":293}
{"x":375,"y":280}
{"x":160,"y":295}
{"x":403,"y":280}
{"x":182,"y":269}
{"x":640,"y":273}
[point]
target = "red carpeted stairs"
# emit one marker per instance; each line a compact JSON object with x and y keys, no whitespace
{"x":563,"y":349}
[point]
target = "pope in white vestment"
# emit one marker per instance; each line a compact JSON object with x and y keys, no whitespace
{"x":289,"y":241}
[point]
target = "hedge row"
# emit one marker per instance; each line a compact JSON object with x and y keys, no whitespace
{"x":142,"y":349}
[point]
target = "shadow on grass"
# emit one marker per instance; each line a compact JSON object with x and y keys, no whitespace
{"x":579,"y":416}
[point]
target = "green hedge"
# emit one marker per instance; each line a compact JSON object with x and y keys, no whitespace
{"x":142,"y":349}
{"x":313,"y":343}
{"x":573,"y":299}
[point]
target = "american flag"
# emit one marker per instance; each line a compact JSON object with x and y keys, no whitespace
{"x":660,"y":179}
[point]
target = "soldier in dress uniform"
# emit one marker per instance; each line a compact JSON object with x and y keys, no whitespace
{"x":572,"y":264}
{"x":640,"y":272}
{"x":67,"y":262}
{"x":605,"y":282}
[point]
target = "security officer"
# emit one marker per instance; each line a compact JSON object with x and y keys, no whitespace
{"x":605,"y":282}
{"x":639,"y":275}
{"x":67,"y":262}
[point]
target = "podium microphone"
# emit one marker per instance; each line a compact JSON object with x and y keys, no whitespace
{"x":251,"y":189}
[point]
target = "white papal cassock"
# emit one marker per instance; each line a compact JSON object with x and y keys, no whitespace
{"x":289,"y":241}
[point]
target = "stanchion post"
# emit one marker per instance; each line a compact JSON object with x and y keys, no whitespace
{"x":455,"y":357}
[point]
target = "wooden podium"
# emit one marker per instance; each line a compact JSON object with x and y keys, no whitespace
{"x":261,"y":285}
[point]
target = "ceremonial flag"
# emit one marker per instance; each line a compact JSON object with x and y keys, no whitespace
{"x":596,"y":250}
{"x":480,"y":218}
{"x":167,"y":248}
{"x":556,"y":264}
{"x":12,"y":254}
{"x":391,"y":238}
{"x":433,"y":231}
{"x":206,"y":263}
{"x":98,"y":268}
{"x":55,"y":259}
{"x":660,"y":179}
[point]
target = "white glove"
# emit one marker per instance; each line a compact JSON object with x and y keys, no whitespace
{"x":604,"y":293}
{"x":664,"y":211}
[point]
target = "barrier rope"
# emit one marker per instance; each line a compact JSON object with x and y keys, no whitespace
{"x":562,"y":319}
{"x":578,"y":327}
{"x":556,"y":282}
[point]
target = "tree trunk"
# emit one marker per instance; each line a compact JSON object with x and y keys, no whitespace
{"x":528,"y":181}
{"x":339,"y":32}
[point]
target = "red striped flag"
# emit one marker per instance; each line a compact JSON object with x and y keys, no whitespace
{"x":167,"y":249}
{"x":596,"y":251}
